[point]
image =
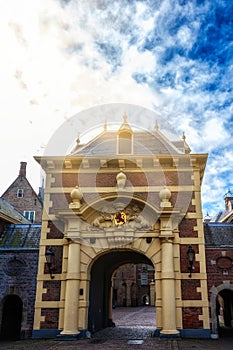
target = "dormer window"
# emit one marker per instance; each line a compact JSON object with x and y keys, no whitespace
{"x":125,"y":138}
{"x":20,"y":193}
{"x":125,"y":143}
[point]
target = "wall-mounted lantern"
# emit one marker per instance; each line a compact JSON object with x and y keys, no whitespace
{"x":191,"y":258}
{"x":50,"y":258}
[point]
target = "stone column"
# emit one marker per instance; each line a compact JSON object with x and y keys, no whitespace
{"x":71,"y":311}
{"x":167,"y":267}
{"x":168,"y":291}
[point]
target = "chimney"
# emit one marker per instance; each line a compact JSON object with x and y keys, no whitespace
{"x":22,"y":170}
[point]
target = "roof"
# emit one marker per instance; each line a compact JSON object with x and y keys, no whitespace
{"x":218,"y":235}
{"x":10,"y":214}
{"x":144,"y":142}
{"x":223,"y":216}
{"x":20,"y":236}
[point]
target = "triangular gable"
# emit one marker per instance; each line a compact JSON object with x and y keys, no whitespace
{"x":16,"y":181}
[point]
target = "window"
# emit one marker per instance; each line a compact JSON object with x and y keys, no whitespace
{"x":125,"y":143}
{"x":144,"y":267}
{"x":20,"y":193}
{"x":144,"y":279}
{"x":30,"y":215}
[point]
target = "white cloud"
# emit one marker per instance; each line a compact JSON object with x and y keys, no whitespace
{"x":138,"y":62}
{"x":58,"y":60}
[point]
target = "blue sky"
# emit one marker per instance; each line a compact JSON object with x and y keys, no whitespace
{"x":172,"y":56}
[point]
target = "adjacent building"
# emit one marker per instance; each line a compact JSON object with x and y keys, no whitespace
{"x":19,"y":250}
{"x":132,"y":285}
{"x":219,"y":263}
{"x":22,"y":197}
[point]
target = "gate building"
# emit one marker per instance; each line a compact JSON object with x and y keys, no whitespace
{"x":126,"y":196}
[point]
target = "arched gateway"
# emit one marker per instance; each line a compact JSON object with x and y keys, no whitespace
{"x":125,"y":196}
{"x":101,"y":293}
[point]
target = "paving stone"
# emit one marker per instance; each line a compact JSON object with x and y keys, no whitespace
{"x":132,"y":332}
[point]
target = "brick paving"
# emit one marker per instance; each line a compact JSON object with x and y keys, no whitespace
{"x":133,"y":330}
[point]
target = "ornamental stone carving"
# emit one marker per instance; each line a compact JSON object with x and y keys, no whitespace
{"x":131,"y":215}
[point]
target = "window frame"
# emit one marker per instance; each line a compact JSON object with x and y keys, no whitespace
{"x":28,"y":217}
{"x":20,"y":193}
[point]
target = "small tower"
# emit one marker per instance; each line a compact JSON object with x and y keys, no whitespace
{"x":228,"y":198}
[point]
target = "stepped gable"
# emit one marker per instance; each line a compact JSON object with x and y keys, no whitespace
{"x":20,"y":236}
{"x":9,"y":214}
{"x":218,"y":235}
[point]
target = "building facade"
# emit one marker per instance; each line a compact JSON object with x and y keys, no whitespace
{"x":19,"y":250}
{"x":132,"y":285}
{"x":22,"y":196}
{"x":127,"y":196}
{"x":219,"y":263}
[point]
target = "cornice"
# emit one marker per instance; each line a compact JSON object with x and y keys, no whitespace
{"x":79,"y":163}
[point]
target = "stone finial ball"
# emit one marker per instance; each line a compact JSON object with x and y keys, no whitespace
{"x":76,"y":194}
{"x":165,"y":194}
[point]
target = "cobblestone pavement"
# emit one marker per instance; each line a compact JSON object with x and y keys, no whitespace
{"x":133,"y":330}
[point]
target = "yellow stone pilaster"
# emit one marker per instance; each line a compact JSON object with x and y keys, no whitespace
{"x":169,"y":327}
{"x":71,"y":311}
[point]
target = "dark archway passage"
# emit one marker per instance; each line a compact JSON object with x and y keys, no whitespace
{"x":11,"y":318}
{"x":224,"y":308}
{"x":100,"y":285}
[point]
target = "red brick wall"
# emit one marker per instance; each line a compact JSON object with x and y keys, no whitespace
{"x":190,"y":317}
{"x":186,"y":228}
{"x":215,"y":271}
{"x":171,"y":178}
{"x":56,"y":230}
{"x":51,"y":318}
{"x":189,"y":289}
{"x":53,"y":290}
